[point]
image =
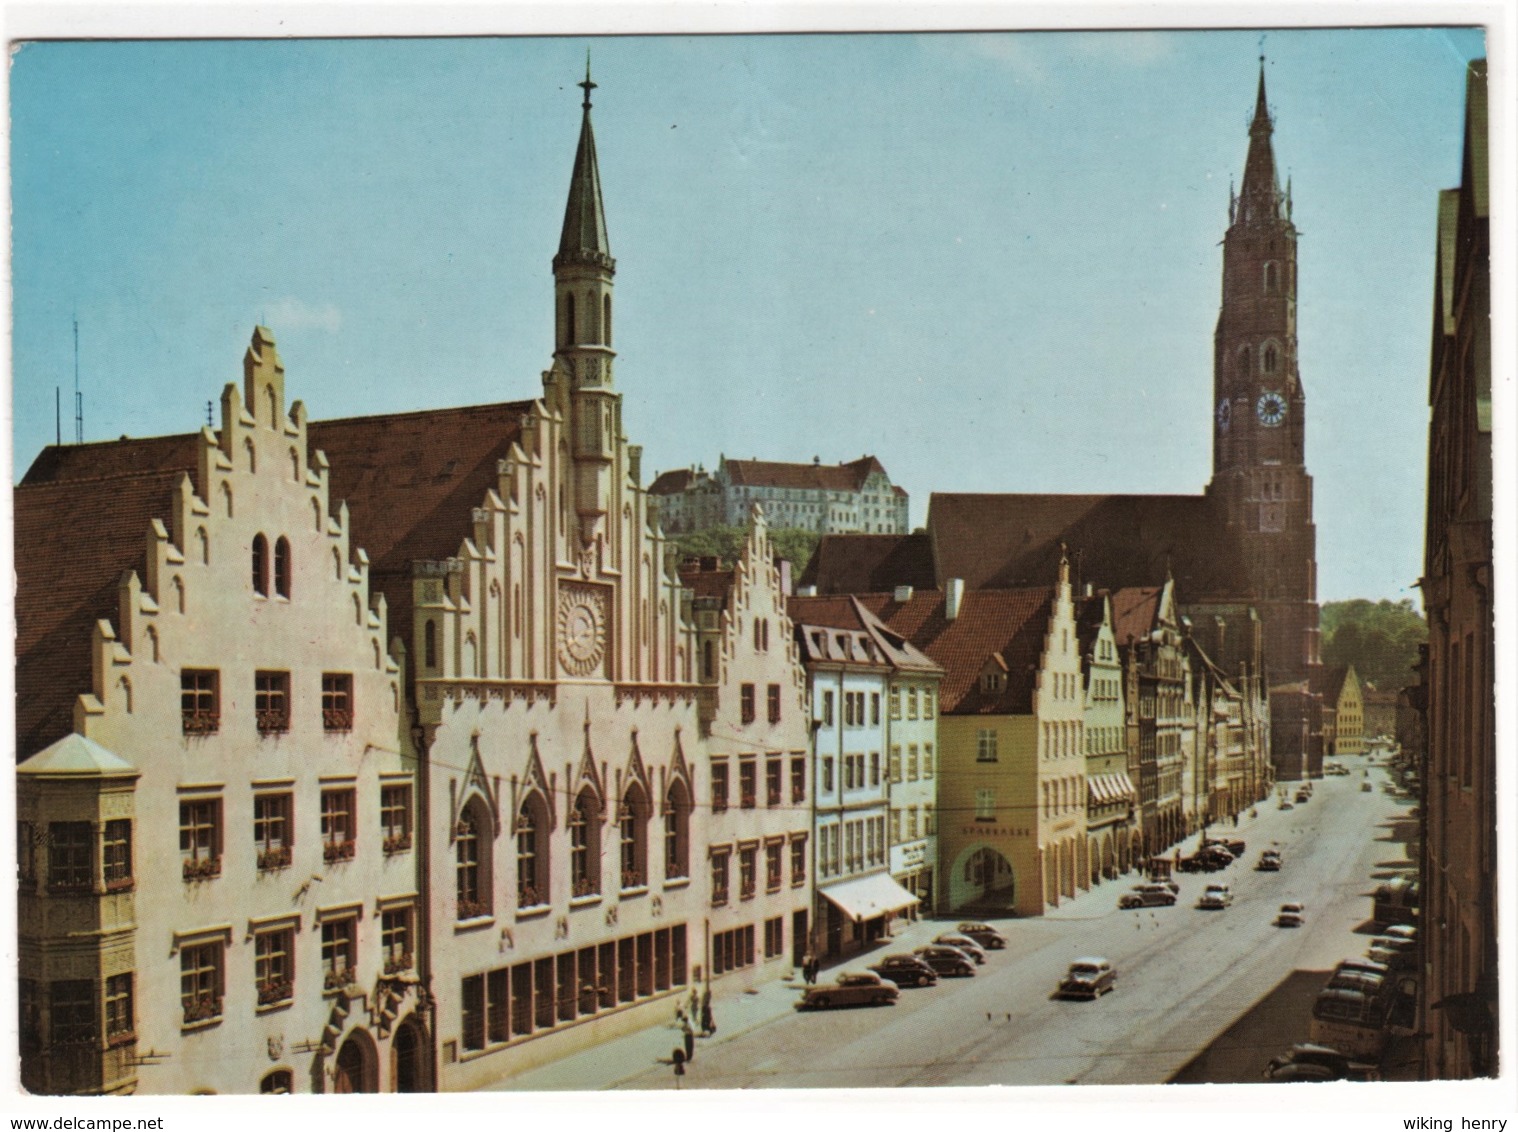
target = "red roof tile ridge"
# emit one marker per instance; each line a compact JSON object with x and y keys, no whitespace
{"x":519,"y":406}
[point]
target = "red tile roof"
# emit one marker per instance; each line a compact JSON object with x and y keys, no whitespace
{"x":1135,"y":612}
{"x":706,"y":583}
{"x":844,"y":564}
{"x":1328,"y":683}
{"x":816,"y":477}
{"x":672,"y":483}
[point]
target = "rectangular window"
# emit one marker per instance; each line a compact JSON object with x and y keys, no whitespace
{"x":848,"y":772}
{"x":473,"y":1020}
{"x":912,"y":762}
{"x":748,"y":783}
{"x":928,"y":706}
{"x":339,"y":951}
{"x":72,"y":1008}
{"x":893,"y":765}
{"x":848,"y":709}
{"x":798,"y":779}
{"x":274,"y":966}
{"x":774,"y":782}
{"x":70,"y":856}
{"x":774,"y":867}
{"x":719,"y":786}
{"x":827,"y":709}
{"x":746,"y":702}
{"x":338,"y":829}
{"x":395,"y":940}
{"x":911,"y":823}
{"x":912,"y":704}
{"x":798,"y":861}
{"x":774,"y":937}
{"x":827,"y":773}
{"x":26,"y":861}
{"x":927,"y":760}
{"x":774,"y":702}
{"x":117,"y":855}
{"x":875,"y":709}
{"x":120,"y":1019}
{"x":985,"y":749}
{"x":271,"y":702}
{"x":895,"y":703}
{"x":498,"y":1020}
{"x":272,"y":827}
{"x":985,"y":805}
{"x":748,"y":862}
{"x":200,"y":982}
{"x":199,"y":701}
{"x":200,"y":838}
{"x":395,"y":817}
{"x":929,"y":821}
{"x":719,"y":877}
{"x":337,"y":701}
{"x":874,"y":768}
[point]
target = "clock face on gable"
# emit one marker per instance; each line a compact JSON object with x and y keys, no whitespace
{"x":582,"y":629}
{"x":1271,"y":409}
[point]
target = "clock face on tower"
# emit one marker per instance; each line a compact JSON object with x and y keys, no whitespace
{"x":1270,"y":408}
{"x":582,"y":630}
{"x":1225,"y":415}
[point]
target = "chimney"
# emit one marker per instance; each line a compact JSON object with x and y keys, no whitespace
{"x":953,"y":595}
{"x":807,"y":591}
{"x":1088,"y":589}
{"x":903,"y":593}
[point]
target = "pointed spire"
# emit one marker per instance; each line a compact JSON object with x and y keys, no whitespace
{"x":1260,"y":199}
{"x":584,"y":237}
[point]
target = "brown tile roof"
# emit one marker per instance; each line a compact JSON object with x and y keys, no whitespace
{"x":107,"y":458}
{"x":1135,"y":610}
{"x":997,"y":541}
{"x":706,"y":582}
{"x":844,"y":564}
{"x":847,"y":613}
{"x":672,"y":483}
{"x":1009,"y":624}
{"x":74,"y":540}
{"x":1328,"y":683}
{"x":816,"y":477}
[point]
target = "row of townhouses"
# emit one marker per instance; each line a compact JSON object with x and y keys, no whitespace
{"x":399,"y":752}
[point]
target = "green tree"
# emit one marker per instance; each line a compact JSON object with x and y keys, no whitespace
{"x":727,"y":543}
{"x":1380,"y":639}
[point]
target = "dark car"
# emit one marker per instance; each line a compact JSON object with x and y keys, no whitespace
{"x":946,"y":960}
{"x":1090,"y":977}
{"x":853,"y":988}
{"x":963,"y":943}
{"x":1307,"y":1061}
{"x":906,"y":971}
{"x":983,"y":934}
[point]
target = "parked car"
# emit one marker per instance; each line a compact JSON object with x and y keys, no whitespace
{"x":983,"y":934}
{"x":1090,"y":977}
{"x":853,"y":988}
{"x":1291,"y":915}
{"x":1269,"y":862}
{"x":1147,"y":896}
{"x":1401,"y":931}
{"x":1395,"y":952}
{"x":946,"y":960}
{"x":1215,"y":896}
{"x":1369,"y":966}
{"x":1362,"y":981}
{"x":906,"y":971}
{"x":963,"y":943}
{"x":1285,"y":805}
{"x":1307,"y":1061}
{"x":1302,"y":797}
{"x":1234,"y":845}
{"x":1367,"y":788}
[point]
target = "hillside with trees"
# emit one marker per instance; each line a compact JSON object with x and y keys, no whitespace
{"x":726,"y":543}
{"x":1380,"y":638}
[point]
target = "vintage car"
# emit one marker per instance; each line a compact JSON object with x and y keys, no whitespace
{"x":946,"y":960}
{"x":983,"y":934}
{"x":853,"y":988}
{"x":1147,"y":896}
{"x":964,"y":943}
{"x":906,"y":971}
{"x":1088,"y":977}
{"x":1292,"y":915}
{"x":1307,"y":1061}
{"x":1269,"y":862}
{"x":1216,"y":896}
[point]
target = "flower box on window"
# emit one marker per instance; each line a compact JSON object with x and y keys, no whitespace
{"x":633,"y":878}
{"x":202,"y":868}
{"x":277,"y":857}
{"x":337,"y":719}
{"x":337,"y":851}
{"x":747,"y":801}
{"x":472,"y":909}
{"x":272,"y":721}
{"x":275,"y":990}
{"x":335,"y":980}
{"x":202,"y":1009}
{"x":585,"y":887}
{"x":120,"y":884}
{"x":70,"y":887}
{"x":400,"y":843}
{"x":201,"y":722}
{"x":527,"y":896}
{"x":398,"y":964}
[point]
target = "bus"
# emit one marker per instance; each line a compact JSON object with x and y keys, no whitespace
{"x":1395,"y":902}
{"x":1350,"y":1021}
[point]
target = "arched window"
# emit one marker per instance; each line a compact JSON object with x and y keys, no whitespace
{"x":260,"y":565}
{"x":153,"y":644}
{"x":1268,"y":358}
{"x":203,"y":544}
{"x":709,"y":660}
{"x":1244,"y":361}
{"x":280,"y":1081}
{"x":632,"y":822}
{"x":316,"y":514}
{"x":676,"y":831}
{"x":532,"y":860}
{"x":606,"y":319}
{"x":295,"y":465}
{"x":252,"y":454}
{"x":429,"y":644}
{"x":282,"y":567}
{"x":590,"y":317}
{"x":569,"y":320}
{"x":584,"y":845}
{"x":226,"y":497}
{"x":179,"y":592}
{"x":337,"y":563}
{"x":471,"y":862}
{"x":1272,"y":278}
{"x":273,"y":405}
{"x":126,"y":694}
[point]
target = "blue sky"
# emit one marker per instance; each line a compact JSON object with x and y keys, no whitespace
{"x":990,"y":260}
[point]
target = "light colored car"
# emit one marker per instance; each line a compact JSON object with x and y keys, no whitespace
{"x":1088,"y":977}
{"x":983,"y":934}
{"x":965,"y":944}
{"x":853,"y":988}
{"x":1401,"y":931}
{"x":1269,"y":862}
{"x":1285,"y":805}
{"x":1291,"y":915}
{"x":1216,"y":896}
{"x":1147,"y":896}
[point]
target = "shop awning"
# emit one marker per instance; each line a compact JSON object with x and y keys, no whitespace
{"x":868,"y":897}
{"x":1103,"y":788}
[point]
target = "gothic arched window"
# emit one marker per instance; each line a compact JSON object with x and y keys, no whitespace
{"x":532,"y":862}
{"x":282,"y":567}
{"x":632,"y":825}
{"x":260,"y":565}
{"x":1268,"y":358}
{"x":676,"y":831}
{"x":471,"y":868}
{"x":1272,"y":278}
{"x":584,"y":846}
{"x":429,"y":644}
{"x":606,"y":319}
{"x":569,"y":320}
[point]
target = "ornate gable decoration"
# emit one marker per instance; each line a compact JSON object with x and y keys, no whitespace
{"x":476,"y":784}
{"x":679,"y":770}
{"x":635,"y":769}
{"x":587,"y":773}
{"x":533,"y":778}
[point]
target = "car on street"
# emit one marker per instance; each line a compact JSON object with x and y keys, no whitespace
{"x":946,"y":960}
{"x":1215,"y":896}
{"x":1269,"y":862}
{"x":1398,"y":954}
{"x":1362,"y":981}
{"x":963,"y":943}
{"x":1401,"y":931}
{"x":906,"y":971}
{"x":1307,"y":1061}
{"x":853,"y":988}
{"x":1367,"y":788}
{"x":1285,"y":805}
{"x":1234,"y":845}
{"x":1365,"y":966}
{"x":1302,"y":797}
{"x":1291,"y":915}
{"x":983,"y":934}
{"x":1147,"y":896}
{"x":1088,"y":977}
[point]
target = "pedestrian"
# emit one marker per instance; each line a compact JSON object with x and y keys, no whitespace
{"x":708,"y":1024}
{"x":688,"y":1036}
{"x":694,"y":1010}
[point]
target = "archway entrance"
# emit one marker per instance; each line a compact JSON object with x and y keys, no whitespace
{"x":408,"y":1061}
{"x":355,"y":1069}
{"x":982,"y":881}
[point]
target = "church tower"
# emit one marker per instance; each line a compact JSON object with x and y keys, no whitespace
{"x":582,"y":271}
{"x":1259,"y":477}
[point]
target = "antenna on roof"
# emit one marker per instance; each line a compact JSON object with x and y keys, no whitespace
{"x":58,"y":413}
{"x":209,"y":422}
{"x":78,"y":396}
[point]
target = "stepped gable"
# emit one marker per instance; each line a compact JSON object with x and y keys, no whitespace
{"x":706,"y":578}
{"x":75,"y":536}
{"x":411,"y":482}
{"x":998,"y":541}
{"x":844,"y":564}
